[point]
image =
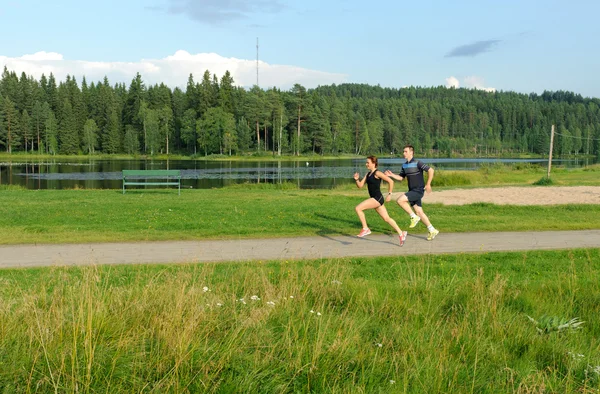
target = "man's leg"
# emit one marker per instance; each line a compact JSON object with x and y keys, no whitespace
{"x":404,"y":204}
{"x":432,"y":230}
{"x":419,"y":211}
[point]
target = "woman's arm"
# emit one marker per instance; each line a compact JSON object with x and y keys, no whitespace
{"x":386,"y":178}
{"x":359,"y":183}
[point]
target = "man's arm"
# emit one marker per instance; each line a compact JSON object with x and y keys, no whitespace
{"x":392,"y":175}
{"x":429,"y":179}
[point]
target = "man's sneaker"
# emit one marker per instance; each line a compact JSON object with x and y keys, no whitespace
{"x":413,"y":221}
{"x":403,"y":237}
{"x":364,"y":232}
{"x":432,"y":235}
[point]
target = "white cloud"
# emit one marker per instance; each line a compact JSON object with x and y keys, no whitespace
{"x":470,"y":82}
{"x":452,"y":82}
{"x":43,"y":56}
{"x":475,"y":82}
{"x":172,"y":70}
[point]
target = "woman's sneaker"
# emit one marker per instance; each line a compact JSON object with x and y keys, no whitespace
{"x":364,"y":232}
{"x":403,"y":237}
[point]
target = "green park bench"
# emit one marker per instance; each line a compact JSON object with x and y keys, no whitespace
{"x":152,"y":178}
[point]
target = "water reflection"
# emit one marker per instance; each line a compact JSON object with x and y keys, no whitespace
{"x":106,"y":174}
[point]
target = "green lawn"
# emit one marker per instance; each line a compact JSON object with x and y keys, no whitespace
{"x":61,"y":216}
{"x":427,"y":324}
{"x":519,"y":174}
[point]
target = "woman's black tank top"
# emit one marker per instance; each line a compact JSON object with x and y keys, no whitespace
{"x":374,"y":185}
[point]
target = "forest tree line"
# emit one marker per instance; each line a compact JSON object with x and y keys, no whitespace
{"x":214,"y":116}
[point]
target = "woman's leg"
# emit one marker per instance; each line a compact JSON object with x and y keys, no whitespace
{"x":382,"y":211}
{"x":371,"y":203}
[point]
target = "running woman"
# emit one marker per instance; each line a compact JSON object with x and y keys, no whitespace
{"x":376,"y":200}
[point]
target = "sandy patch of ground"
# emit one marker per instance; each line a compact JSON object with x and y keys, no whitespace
{"x":547,"y":195}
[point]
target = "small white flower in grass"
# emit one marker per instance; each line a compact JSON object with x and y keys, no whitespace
{"x":219,"y":304}
{"x":595,"y":369}
{"x":291,"y":296}
{"x":379,"y":345}
{"x":255,"y":298}
{"x":270,"y":303}
{"x":311,"y":311}
{"x":205,"y":289}
{"x":318,"y":313}
{"x":392,"y":382}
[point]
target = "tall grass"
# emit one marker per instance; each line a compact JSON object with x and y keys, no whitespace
{"x":418,"y":324}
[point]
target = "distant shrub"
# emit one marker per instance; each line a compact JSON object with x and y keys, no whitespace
{"x":442,"y":178}
{"x":544,"y":181}
{"x":264,"y":186}
{"x":12,"y":187}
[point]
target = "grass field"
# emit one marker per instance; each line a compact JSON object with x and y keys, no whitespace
{"x":61,"y":216}
{"x":428,"y":324}
{"x":518,"y":174}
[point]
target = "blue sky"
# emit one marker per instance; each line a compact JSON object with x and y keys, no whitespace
{"x":524,"y":46}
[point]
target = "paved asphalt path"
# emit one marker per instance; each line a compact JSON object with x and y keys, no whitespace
{"x":288,"y":248}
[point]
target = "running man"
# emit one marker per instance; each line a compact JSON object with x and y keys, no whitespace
{"x":413,"y":170}
{"x":376,"y":201}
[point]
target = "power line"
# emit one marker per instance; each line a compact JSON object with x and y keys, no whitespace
{"x":579,"y":138}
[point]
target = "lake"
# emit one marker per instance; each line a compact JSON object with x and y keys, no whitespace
{"x":201,"y":174}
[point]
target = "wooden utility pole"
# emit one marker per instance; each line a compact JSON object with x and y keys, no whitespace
{"x":550,"y":154}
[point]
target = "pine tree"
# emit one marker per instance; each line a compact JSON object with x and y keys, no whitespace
{"x":165,"y":116}
{"x":226,"y":93}
{"x":38,"y":118}
{"x":52,"y":93}
{"x":131,"y":141}
{"x":299,"y":93}
{"x":244,"y":134}
{"x":205,"y":93}
{"x":133,"y":102}
{"x":192,"y":99}
{"x":143,"y":115}
{"x":188,"y":129}
{"x":68,"y":136}
{"x":51,"y":133}
{"x":112,"y":141}
{"x":254,"y":111}
{"x":90,"y":136}
{"x":11,"y":129}
{"x":26,"y":130}
{"x":153,"y":137}
{"x":178,"y":105}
